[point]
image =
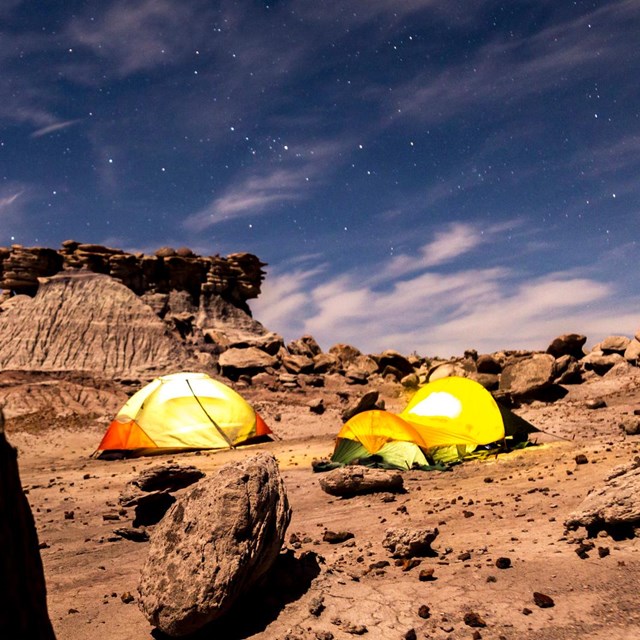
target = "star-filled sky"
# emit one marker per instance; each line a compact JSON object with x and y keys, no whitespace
{"x":422,"y":175}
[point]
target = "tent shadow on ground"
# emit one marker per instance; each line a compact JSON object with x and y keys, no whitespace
{"x":289,"y":579}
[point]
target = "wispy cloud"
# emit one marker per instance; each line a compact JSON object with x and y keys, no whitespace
{"x":7,"y":200}
{"x":252,"y":196}
{"x":14,"y":200}
{"x":135,"y":35}
{"x":443,"y":313}
{"x":43,"y":131}
{"x":446,"y":245}
{"x":515,"y":69}
{"x":261,"y":192}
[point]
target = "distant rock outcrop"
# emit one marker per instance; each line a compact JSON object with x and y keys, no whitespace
{"x":236,"y":278}
{"x":82,"y":321}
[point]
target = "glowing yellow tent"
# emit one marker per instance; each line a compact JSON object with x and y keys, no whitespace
{"x":446,"y":420}
{"x":182,"y":411}
{"x":455,"y":411}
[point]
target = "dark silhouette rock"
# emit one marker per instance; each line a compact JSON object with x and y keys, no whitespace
{"x":23,"y":606}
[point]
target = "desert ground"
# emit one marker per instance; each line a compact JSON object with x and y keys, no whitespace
{"x":510,"y":506}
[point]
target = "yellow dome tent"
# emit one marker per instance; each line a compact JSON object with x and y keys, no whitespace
{"x":446,"y":420}
{"x":182,"y":411}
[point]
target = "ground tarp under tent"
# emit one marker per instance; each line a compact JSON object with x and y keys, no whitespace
{"x":182,"y":411}
{"x":446,"y":421}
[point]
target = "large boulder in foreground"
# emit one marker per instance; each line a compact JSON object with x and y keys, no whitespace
{"x":23,"y":610}
{"x":219,"y":539}
{"x":613,"y":507}
{"x":82,"y":321}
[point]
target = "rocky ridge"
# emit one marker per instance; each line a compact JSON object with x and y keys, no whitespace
{"x":236,"y":277}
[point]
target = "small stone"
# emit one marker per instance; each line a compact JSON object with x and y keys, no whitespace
{"x":410,"y":635}
{"x":492,"y":579}
{"x":581,"y":459}
{"x":503,"y":563}
{"x":316,"y":606}
{"x":409,"y":563}
{"x":72,"y":611}
{"x":126,"y":597}
{"x":324,"y":635}
{"x":316,"y":406}
{"x":355,"y":629}
{"x":542,"y":600}
{"x":526,"y":611}
{"x":603,"y":552}
{"x":424,"y":611}
{"x":595,"y":403}
{"x":69,"y":515}
{"x":464,"y":556}
{"x":488,"y":479}
{"x":472,"y":619}
{"x":476,"y":635}
{"x":426,"y":575}
{"x":336,"y":537}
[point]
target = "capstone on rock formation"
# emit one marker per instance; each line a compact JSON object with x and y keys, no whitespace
{"x":236,"y":277}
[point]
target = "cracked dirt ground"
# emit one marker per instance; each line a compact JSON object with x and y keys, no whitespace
{"x":512,"y":506}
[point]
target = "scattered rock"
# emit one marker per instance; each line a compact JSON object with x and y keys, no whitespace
{"x":614,"y":507}
{"x":542,"y":600}
{"x":631,"y":425}
{"x":336,"y":537}
{"x":528,"y":378}
{"x":407,"y":543}
{"x":615,"y":344}
{"x":424,"y":611}
{"x":472,"y":619}
{"x":133,"y":534}
{"x":316,"y":406}
{"x":354,"y":480}
{"x":581,"y":458}
{"x":569,"y":344}
{"x":503,"y":563}
{"x":595,"y":403}
{"x":169,"y":477}
{"x":364,"y":403}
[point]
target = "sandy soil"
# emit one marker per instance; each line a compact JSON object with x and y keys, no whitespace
{"x":511,"y":506}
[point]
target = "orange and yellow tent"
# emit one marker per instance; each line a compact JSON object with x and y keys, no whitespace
{"x":182,"y":411}
{"x":445,"y":421}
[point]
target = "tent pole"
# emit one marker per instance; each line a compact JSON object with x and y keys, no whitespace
{"x":213,"y":422}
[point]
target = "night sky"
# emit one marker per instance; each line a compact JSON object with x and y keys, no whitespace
{"x":421,"y":175}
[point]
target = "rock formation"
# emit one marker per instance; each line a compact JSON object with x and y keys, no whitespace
{"x":218,"y":540}
{"x":83,"y":321}
{"x":612,"y":507}
{"x":236,"y":278}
